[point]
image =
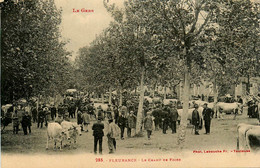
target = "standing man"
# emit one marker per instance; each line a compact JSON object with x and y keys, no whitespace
{"x":53,"y":112}
{"x":86,"y":120}
{"x":157,"y":118}
{"x":34,"y":114}
{"x":122,"y":123}
{"x":148,"y":124}
{"x":98,"y":135}
{"x":131,"y":124}
{"x":195,"y":119}
{"x":173,"y":118}
{"x":80,"y":120}
{"x":26,"y":123}
{"x":47,"y":114}
{"x":207,"y":116}
{"x":41,"y":117}
{"x":15,"y":122}
{"x":112,"y":133}
{"x":165,"y":118}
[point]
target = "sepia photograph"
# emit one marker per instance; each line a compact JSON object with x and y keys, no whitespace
{"x":130,"y":83}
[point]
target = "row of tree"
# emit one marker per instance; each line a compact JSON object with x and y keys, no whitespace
{"x":165,"y":42}
{"x":33,"y":57}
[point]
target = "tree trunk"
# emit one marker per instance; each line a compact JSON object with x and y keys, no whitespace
{"x":215,"y":96}
{"x":184,"y":116}
{"x":140,"y":107}
{"x":102,"y":98}
{"x":248,"y":85}
{"x":153,"y":89}
{"x":120,"y":96}
{"x":164,"y":95}
{"x":110,"y":96}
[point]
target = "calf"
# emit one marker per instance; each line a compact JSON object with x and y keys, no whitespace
{"x":55,"y":132}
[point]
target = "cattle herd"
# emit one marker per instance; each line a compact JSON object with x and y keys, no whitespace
{"x":63,"y":132}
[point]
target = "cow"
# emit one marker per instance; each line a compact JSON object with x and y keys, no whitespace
{"x":228,"y":108}
{"x":149,"y":99}
{"x":157,"y":100}
{"x":73,"y":131}
{"x":168,"y":101}
{"x":55,"y":132}
{"x":253,"y":139}
{"x":242,"y":129}
{"x":103,"y":106}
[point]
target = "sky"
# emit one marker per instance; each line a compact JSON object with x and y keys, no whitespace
{"x":81,"y":28}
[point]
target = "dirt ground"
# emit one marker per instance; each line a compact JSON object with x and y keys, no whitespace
{"x":222,"y":137}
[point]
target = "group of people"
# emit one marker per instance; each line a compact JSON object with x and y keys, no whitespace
{"x":207,"y":114}
{"x":24,"y":119}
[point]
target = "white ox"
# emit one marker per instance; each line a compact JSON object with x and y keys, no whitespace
{"x":242,"y":129}
{"x":56,"y":133}
{"x":157,"y":100}
{"x":253,"y":139}
{"x":169,"y":101}
{"x":102,"y":105}
{"x":74,"y":130}
{"x":228,"y":108}
{"x":149,"y":99}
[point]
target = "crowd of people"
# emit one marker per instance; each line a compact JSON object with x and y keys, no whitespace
{"x":156,"y":116}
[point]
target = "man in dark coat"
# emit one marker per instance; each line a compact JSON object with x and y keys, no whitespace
{"x":122,"y":122}
{"x":116,"y":114}
{"x":207,"y":116}
{"x":195,"y":119}
{"x":53,"y":112}
{"x":80,"y":120}
{"x":165,"y":118}
{"x":41,"y":117}
{"x":157,"y":117}
{"x":34,"y":114}
{"x":173,"y":118}
{"x":98,"y":135}
{"x":26,"y":123}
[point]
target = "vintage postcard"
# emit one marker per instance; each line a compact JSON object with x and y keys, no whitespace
{"x":130,"y":83}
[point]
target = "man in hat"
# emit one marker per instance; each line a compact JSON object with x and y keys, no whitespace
{"x":86,"y":120}
{"x":53,"y":112}
{"x":122,"y":122}
{"x":173,"y":118}
{"x":15,"y":122}
{"x":165,"y":118}
{"x":157,"y":117}
{"x":100,"y":112}
{"x":148,"y":124}
{"x":112,"y":133}
{"x":131,"y":123}
{"x":47,"y":114}
{"x":41,"y":117}
{"x":207,"y":116}
{"x":116,"y":113}
{"x":26,"y":123}
{"x":34,"y":114}
{"x":109,"y":111}
{"x":98,"y":135}
{"x":80,"y":119}
{"x":195,"y":119}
